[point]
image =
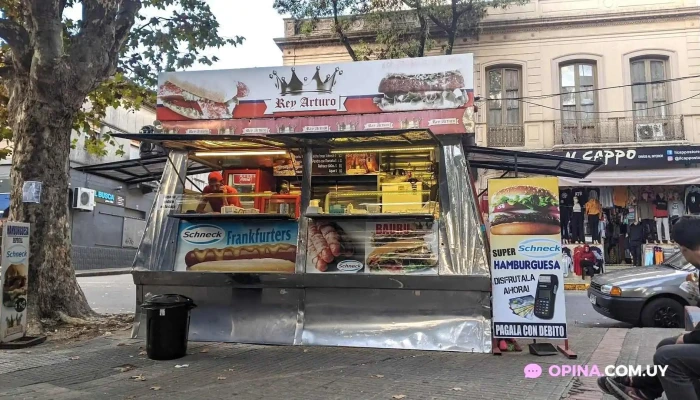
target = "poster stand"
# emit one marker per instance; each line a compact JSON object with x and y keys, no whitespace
{"x":14,"y":287}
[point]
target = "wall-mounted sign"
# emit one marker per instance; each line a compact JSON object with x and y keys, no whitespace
{"x":637,"y":157}
{"x":109,"y":198}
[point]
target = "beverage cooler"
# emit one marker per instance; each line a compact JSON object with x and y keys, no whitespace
{"x":250,"y":181}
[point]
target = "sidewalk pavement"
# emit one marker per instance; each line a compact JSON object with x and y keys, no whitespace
{"x":106,"y":367}
{"x":575,"y":282}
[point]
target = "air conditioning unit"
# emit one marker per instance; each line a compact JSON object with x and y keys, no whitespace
{"x":650,"y":132}
{"x":83,"y":199}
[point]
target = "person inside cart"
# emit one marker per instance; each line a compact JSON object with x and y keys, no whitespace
{"x":218,"y":195}
{"x":680,"y":355}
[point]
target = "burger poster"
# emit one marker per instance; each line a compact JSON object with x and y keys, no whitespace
{"x":526,"y":260}
{"x":391,"y":247}
{"x":237,"y":247}
{"x":15,"y":268}
{"x":413,"y":84}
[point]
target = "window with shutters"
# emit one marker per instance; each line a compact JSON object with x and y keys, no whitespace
{"x":579,"y":102}
{"x":504,"y":117}
{"x":649,"y":100}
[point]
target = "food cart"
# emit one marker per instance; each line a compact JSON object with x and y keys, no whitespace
{"x":358,"y":223}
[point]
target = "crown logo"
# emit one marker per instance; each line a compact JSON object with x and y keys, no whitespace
{"x":296,"y":87}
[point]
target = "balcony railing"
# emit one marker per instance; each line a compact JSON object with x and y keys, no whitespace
{"x":505,"y":136}
{"x":619,"y":130}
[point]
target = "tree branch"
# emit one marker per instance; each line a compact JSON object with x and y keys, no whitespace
{"x":16,"y":37}
{"x":339,"y":30}
{"x":47,"y":31}
{"x":452,"y":33}
{"x":124,"y":22}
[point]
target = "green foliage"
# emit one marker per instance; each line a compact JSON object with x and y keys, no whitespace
{"x":403,"y":28}
{"x":168,"y":35}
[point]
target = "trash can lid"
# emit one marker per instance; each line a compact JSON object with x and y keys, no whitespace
{"x":168,"y":300}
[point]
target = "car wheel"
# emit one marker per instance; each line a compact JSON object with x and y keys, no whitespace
{"x":663,"y":313}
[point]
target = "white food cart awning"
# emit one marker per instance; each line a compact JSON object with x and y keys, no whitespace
{"x":656,"y":177}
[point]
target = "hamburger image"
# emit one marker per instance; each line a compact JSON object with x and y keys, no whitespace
{"x":524,"y":210}
{"x":205,"y":99}
{"x":402,"y":256}
{"x":404,"y":92}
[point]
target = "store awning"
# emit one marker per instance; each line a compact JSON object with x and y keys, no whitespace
{"x":526,"y":162}
{"x":140,"y":170}
{"x":651,"y":177}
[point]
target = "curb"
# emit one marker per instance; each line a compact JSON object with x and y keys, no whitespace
{"x":576,"y":286}
{"x":102,"y":272}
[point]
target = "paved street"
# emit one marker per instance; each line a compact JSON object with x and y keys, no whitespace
{"x":113,"y":294}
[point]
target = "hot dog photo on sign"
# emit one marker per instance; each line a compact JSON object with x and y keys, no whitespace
{"x":524,"y":210}
{"x":335,"y":247}
{"x":237,"y":247}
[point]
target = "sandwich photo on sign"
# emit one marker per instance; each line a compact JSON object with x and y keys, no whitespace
{"x":524,"y":210}
{"x":406,"y":92}
{"x":406,"y":256}
{"x":205,"y":99}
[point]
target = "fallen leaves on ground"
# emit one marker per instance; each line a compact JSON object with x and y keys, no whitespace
{"x":221,"y":378}
{"x":182,"y":366}
{"x":126,"y":367}
{"x":204,"y":351}
{"x":230,"y":370}
{"x":75,"y":358}
{"x":139,"y":378}
{"x":457,"y":389}
{"x":155,"y":387}
{"x":377,"y":376}
{"x":398,"y":396}
{"x":142,"y":353}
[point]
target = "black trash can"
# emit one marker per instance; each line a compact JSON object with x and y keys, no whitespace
{"x":167,"y":325}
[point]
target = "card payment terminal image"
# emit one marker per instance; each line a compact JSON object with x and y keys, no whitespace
{"x":545,"y":297}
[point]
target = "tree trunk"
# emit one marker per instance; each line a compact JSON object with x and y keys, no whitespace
{"x":42,"y":118}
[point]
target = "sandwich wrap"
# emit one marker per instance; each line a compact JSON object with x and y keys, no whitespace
{"x":402,"y":256}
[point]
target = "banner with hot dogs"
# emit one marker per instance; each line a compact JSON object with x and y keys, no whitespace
{"x":377,"y":247}
{"x":526,"y":258}
{"x":221,"y":246}
{"x":383,"y":86}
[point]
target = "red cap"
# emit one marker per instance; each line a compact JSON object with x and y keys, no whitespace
{"x":216,"y":175}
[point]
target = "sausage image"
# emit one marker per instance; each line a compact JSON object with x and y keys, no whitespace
{"x":327,"y":240}
{"x":281,"y":251}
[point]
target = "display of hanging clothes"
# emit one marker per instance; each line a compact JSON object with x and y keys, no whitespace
{"x":606,"y":197}
{"x":577,"y":233}
{"x":658,"y":255}
{"x":661,"y":218}
{"x":566,"y":204}
{"x":692,"y":200}
{"x":600,"y":260}
{"x":648,"y":255}
{"x":620,"y":196}
{"x":577,"y":260}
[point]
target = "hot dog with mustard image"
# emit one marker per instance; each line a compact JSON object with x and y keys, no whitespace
{"x":278,"y":257}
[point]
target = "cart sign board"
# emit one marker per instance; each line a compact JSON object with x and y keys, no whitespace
{"x":15,"y":269}
{"x":526,"y":258}
{"x":384,"y":86}
{"x":385,"y":247}
{"x":237,"y":246}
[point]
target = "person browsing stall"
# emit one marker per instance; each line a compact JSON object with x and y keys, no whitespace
{"x":218,"y":195}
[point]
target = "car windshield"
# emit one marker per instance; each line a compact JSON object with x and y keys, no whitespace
{"x":677,"y":261}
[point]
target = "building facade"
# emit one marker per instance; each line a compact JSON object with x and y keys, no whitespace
{"x":107,"y":236}
{"x":569,"y":67}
